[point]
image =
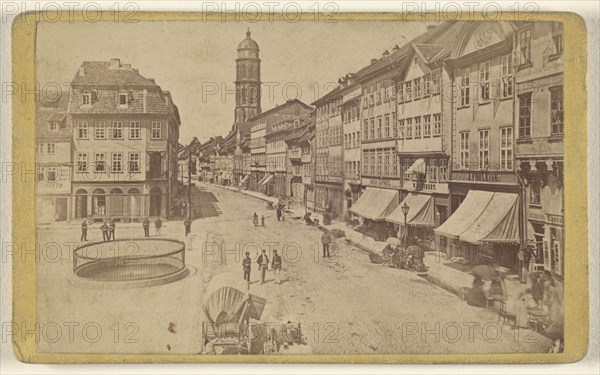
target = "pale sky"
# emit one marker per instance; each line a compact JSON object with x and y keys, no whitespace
{"x":188,"y":58}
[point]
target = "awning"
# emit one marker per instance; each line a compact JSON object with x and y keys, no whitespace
{"x":421,"y":211}
{"x":261,"y":182}
{"x":466,"y":214}
{"x":375,"y":203}
{"x":245,"y":179}
{"x":499,"y":222}
{"x":267,"y":179}
{"x":418,"y":167}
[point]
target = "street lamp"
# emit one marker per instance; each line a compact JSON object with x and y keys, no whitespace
{"x":405,"y":208}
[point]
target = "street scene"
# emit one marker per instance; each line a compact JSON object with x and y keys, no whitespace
{"x":412,"y":204}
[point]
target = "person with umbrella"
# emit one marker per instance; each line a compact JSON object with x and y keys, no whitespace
{"x":476,"y":296}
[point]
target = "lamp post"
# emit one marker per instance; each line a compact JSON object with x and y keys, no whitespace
{"x":405,"y":209}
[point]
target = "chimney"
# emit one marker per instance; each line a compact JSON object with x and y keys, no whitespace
{"x":373,"y":61}
{"x":81,"y":71}
{"x":396,"y":48}
{"x":115,"y":63}
{"x":386,"y":53}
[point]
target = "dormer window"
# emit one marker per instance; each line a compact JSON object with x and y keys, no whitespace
{"x":86,"y":99}
{"x":53,"y":125}
{"x":122,"y":99}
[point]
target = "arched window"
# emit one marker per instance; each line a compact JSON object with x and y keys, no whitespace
{"x":81,"y":192}
{"x":133,"y":191}
{"x":99,"y":192}
{"x":116,"y":191}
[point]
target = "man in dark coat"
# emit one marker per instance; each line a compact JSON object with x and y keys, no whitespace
{"x":278,"y":213}
{"x":326,"y":241}
{"x":111,"y":230}
{"x":247,"y":266}
{"x":188,"y":226}
{"x":157,"y":226}
{"x":84,"y":230}
{"x":263,"y":265}
{"x":276,"y":266}
{"x":537,"y":290}
{"x":105,"y":234}
{"x":146,"y":225}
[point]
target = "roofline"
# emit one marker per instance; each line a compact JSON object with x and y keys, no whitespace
{"x":289,"y":102}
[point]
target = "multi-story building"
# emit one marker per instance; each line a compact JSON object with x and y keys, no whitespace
{"x":277,"y":155}
{"x":297,"y":140}
{"x":329,"y":193}
{"x":351,"y":93}
{"x":423,"y":133}
{"x":53,"y":163}
{"x":539,"y":129}
{"x":187,"y":157}
{"x":485,"y":194}
{"x":125,"y":140}
{"x":262,"y":126}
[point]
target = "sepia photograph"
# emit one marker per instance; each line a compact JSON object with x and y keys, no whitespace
{"x":364,"y":187}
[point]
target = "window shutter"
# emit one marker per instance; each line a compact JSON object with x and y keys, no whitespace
{"x":558,"y":250}
{"x":547,"y":255}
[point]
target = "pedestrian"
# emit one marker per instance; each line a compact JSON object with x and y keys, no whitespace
{"x":255,"y":219}
{"x":84,"y":230}
{"x":537,"y":289}
{"x":157,"y":226}
{"x":326,"y":240}
{"x":263,"y":265}
{"x":247,"y":266}
{"x":262,"y":221}
{"x":527,"y":255}
{"x":111,"y":230}
{"x":276,"y":266}
{"x":105,"y":233}
{"x":146,"y":225}
{"x":188,"y":226}
{"x":476,"y":296}
{"x":307,"y":219}
{"x":278,"y":213}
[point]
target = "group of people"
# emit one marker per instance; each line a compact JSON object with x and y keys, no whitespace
{"x":109,"y":225}
{"x":263,"y":266}
{"x":255,"y":220}
{"x":107,"y":228}
{"x":542,"y":302}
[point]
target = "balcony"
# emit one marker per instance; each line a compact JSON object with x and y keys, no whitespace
{"x":295,"y":155}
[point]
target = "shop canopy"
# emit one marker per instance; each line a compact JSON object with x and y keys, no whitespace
{"x":485,"y":217}
{"x":267,"y":179}
{"x":420,"y":212}
{"x":498,"y":223}
{"x":466,"y":214}
{"x":418,"y":167}
{"x":375,"y":203}
{"x":244,"y":179}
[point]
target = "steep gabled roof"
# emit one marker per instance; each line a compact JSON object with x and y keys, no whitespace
{"x":100,"y":73}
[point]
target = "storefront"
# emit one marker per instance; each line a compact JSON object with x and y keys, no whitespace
{"x":372,"y":208}
{"x":419,"y":219}
{"x":483,"y":229}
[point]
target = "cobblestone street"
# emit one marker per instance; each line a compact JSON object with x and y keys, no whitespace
{"x":346,"y":304}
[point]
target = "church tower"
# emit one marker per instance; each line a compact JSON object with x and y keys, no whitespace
{"x":247,"y":82}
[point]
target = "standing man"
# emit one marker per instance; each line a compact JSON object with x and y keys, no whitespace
{"x":278,"y":213}
{"x":105,"y":233}
{"x":263,"y":265}
{"x":247,"y":266}
{"x":146,"y":225}
{"x":276,"y":266}
{"x":326,"y":240}
{"x":83,"y":230}
{"x":262,"y":221}
{"x":188,"y":226}
{"x":111,"y":229}
{"x":157,"y":226}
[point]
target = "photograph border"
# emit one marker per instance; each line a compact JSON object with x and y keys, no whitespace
{"x":576,"y":288}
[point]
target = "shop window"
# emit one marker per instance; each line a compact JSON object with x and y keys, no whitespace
{"x":535,"y":193}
